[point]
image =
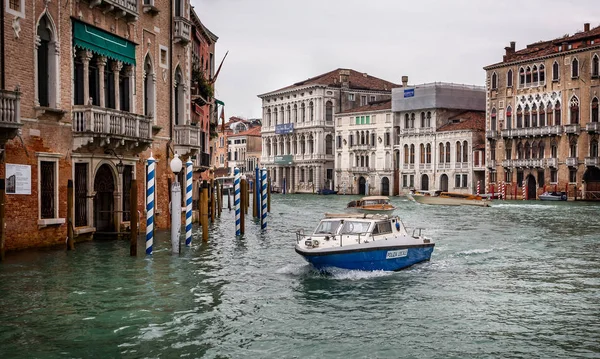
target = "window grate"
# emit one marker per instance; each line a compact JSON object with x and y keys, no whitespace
{"x":81,"y":185}
{"x":47,"y":189}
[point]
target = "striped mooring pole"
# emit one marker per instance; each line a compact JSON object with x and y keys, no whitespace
{"x":478,"y":187}
{"x":150,"y":204}
{"x":263,"y":201}
{"x":188,"y":202}
{"x":524,"y":191}
{"x":236,"y":199}
{"x":503,"y":190}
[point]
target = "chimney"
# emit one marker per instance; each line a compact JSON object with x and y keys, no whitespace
{"x":512,"y":46}
{"x":510,"y":50}
{"x":344,"y":78}
{"x":586,"y":27}
{"x":404,"y":81}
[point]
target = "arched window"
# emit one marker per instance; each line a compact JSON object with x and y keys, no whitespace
{"x":458,"y":156}
{"x":362,"y":137}
{"x":594,"y":148}
{"x":311,"y":112}
{"x":282,"y":113}
{"x":527,"y":150}
{"x":47,"y":61}
{"x":428,"y":122}
{"x":534,"y":115}
{"x":269,"y":147}
{"x":288,"y":114}
{"x":406,"y":121}
{"x":269,"y":117}
{"x":428,"y":153}
{"x":412,"y":154}
{"x":520,"y":151}
{"x":422,"y":119}
{"x":573,"y":148}
{"x":519,"y":117}
{"x":541,"y":153}
{"x":373,"y":143}
{"x":534,"y":72}
{"x":557,"y":114}
{"x":447,"y":152}
{"x":422,"y":153}
{"x":527,"y":117}
{"x":575,"y":68}
{"x":574,"y":110}
{"x":521,"y":76}
{"x":465,"y":152}
{"x":302,"y":112}
{"x":179,"y":101}
{"x":595,"y":66}
{"x":406,"y":154}
{"x":275,"y":116}
{"x":549,"y":114}
{"x":508,"y":118}
{"x":329,"y":111}
{"x":149,"y":88}
{"x":528,"y":75}
{"x":328,"y":145}
{"x":534,"y":148}
{"x":542,"y":115}
{"x":509,"y":78}
{"x":493,"y":120}
{"x":555,"y":71}
{"x":295,"y":113}
{"x":442,"y":157}
{"x":595,"y":110}
{"x":542,"y":74}
{"x":311,"y":145}
{"x":494,"y":81}
{"x":412,"y":120}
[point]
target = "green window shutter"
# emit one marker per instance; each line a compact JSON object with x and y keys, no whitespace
{"x":357,"y":120}
{"x":368,"y":120}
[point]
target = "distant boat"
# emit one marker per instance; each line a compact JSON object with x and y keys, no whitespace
{"x":449,"y":199}
{"x":363,"y":242}
{"x":372,"y":204}
{"x":553,"y":196}
{"x":325,"y":191}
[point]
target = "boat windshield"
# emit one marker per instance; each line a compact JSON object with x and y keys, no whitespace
{"x":372,"y":202}
{"x":351,"y":227}
{"x":328,"y":227}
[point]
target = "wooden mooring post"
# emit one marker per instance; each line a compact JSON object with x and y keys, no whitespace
{"x":269,"y":195}
{"x":70,"y":222}
{"x":2,"y":217}
{"x":212,"y":201}
{"x":219,"y":199}
{"x":133,"y":218}
{"x":204,"y":211}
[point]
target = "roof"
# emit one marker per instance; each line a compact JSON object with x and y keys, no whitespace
{"x":371,"y":107}
{"x":254,"y":131}
{"x":370,"y":198}
{"x":468,"y":120}
{"x":545,"y":48}
{"x":355,"y":80}
{"x":196,"y":20}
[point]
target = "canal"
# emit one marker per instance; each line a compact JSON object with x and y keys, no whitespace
{"x":516,"y":280}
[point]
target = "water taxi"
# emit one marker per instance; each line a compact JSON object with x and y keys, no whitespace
{"x":449,"y":199}
{"x":553,"y":196}
{"x":372,"y":204}
{"x":363,"y":242}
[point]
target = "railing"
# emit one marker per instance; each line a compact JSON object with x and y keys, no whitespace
{"x":416,"y":130}
{"x":572,"y":129}
{"x":552,"y":162}
{"x":592,"y":161}
{"x":593,"y":127}
{"x":491,"y":164}
{"x":362,"y":147}
{"x":491,"y":134}
{"x":424,"y":166}
{"x":182,"y":29}
{"x":10,"y":109}
{"x":555,"y":130}
{"x":362,"y":169}
{"x":507,"y":163}
{"x":109,"y":122}
{"x":187,"y":135}
{"x":506,"y":133}
{"x":129,"y":6}
{"x":571,"y":161}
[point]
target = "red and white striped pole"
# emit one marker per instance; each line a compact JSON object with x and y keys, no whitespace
{"x":524,"y":192}
{"x":478,"y":187}
{"x":503,"y":190}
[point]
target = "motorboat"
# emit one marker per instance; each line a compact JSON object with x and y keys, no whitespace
{"x":449,"y":199}
{"x":325,"y":191}
{"x":553,"y":196}
{"x":361,"y":241}
{"x":372,"y":204}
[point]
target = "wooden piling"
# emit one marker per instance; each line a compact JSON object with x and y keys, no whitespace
{"x":229,"y":199}
{"x":204,"y":211}
{"x":247,"y":198}
{"x":269,"y":195}
{"x":219,"y":199}
{"x":255,"y":208}
{"x":243,"y":207}
{"x":213,"y":202}
{"x":133,"y":218}
{"x":2,"y":219}
{"x":70,"y":223}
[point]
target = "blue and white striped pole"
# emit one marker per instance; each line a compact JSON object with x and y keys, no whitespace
{"x":257,"y":192}
{"x":188,"y":202}
{"x":263,"y":201}
{"x":150,"y":204}
{"x":236,"y":199}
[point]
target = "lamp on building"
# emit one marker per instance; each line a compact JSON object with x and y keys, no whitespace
{"x":120,"y":167}
{"x":176,"y":164}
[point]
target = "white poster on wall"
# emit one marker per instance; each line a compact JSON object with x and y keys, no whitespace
{"x":18,"y":179}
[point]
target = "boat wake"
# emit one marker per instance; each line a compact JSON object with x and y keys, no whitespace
{"x":306,"y":270}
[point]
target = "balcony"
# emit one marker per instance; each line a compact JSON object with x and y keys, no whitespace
{"x":362,"y":147}
{"x":188,"y":139}
{"x":95,"y":127}
{"x":593,"y":127}
{"x":127,"y":9}
{"x":361,"y":170}
{"x":507,"y":163}
{"x":491,"y":164}
{"x":592,"y":161}
{"x":572,"y":129}
{"x":202,"y":161}
{"x":182,"y":30}
{"x":491,"y":134}
{"x":571,"y":161}
{"x":10,"y":115}
{"x":555,"y":130}
{"x":506,"y":133}
{"x":552,"y":162}
{"x":424,"y":166}
{"x":535,"y":163}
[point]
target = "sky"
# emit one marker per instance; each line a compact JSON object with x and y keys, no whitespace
{"x":275,"y":43}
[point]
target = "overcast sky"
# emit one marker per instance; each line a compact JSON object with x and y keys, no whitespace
{"x":275,"y":43}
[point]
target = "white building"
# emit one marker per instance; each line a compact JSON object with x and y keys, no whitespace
{"x":298,"y":127}
{"x":364,"y":150}
{"x":440,"y":137}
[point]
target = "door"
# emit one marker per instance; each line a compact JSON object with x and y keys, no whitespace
{"x":444,"y":183}
{"x":425,"y":183}
{"x":385,"y":186}
{"x":531,"y":187}
{"x":104,"y":186}
{"x":361,"y":185}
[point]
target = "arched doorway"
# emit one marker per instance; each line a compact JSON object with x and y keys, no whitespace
{"x":444,"y":183}
{"x":104,"y":204}
{"x":361,"y":185}
{"x":591,"y":177}
{"x":425,"y":183}
{"x":385,"y":186}
{"x":531,"y":187}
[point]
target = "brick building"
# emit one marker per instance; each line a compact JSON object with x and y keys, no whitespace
{"x":90,"y":89}
{"x":542,"y":124}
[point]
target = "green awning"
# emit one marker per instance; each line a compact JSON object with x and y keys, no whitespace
{"x":103,"y":43}
{"x":219,"y":102}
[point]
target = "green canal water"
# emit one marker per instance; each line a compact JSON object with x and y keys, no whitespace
{"x":517,"y":280}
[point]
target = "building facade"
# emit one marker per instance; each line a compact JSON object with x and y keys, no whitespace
{"x":542,"y":117}
{"x":90,"y":90}
{"x":439,"y":132}
{"x":245,"y":148}
{"x":298,"y":126}
{"x":363,"y":147}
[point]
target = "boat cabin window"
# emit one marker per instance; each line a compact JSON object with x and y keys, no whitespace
{"x":328,"y":227}
{"x":351,"y":227}
{"x":382,"y":228}
{"x":372,"y":202}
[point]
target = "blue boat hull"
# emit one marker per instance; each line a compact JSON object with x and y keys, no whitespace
{"x":370,"y":260}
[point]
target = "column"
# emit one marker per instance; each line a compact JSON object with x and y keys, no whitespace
{"x":296,"y":176}
{"x":86,"y":56}
{"x":116,"y":67}
{"x":101,"y":63}
{"x":129,"y":71}
{"x":318,"y":177}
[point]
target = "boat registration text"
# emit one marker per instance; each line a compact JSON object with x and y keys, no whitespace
{"x":396,"y":254}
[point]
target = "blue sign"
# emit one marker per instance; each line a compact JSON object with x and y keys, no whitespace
{"x":409,"y":93}
{"x":284,"y":128}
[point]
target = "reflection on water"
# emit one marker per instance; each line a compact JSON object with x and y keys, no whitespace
{"x":517,"y":280}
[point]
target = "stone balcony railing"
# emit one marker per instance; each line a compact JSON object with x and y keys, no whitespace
{"x":362,"y":170}
{"x":10,"y":115}
{"x":491,"y":164}
{"x":593,"y":127}
{"x":532,"y":131}
{"x":121,"y":8}
{"x":362,"y":147}
{"x":307,"y":157}
{"x":491,"y":134}
{"x":592,"y":161}
{"x":187,"y":139}
{"x":572,"y":129}
{"x":182,"y":30}
{"x":97,"y":126}
{"x":571,"y":161}
{"x":552,"y":162}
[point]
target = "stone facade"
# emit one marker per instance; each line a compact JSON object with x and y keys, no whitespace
{"x":92,"y":113}
{"x":542,"y":124}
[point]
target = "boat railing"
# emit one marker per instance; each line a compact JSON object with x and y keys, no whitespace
{"x":300,"y":236}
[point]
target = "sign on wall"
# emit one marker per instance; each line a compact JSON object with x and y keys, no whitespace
{"x":409,"y":93}
{"x":284,"y":128}
{"x":284,"y":160}
{"x":18,"y":179}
